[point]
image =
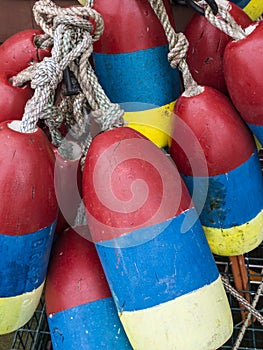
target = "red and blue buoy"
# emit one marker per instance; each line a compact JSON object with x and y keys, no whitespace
{"x":81,"y":311}
{"x":28,"y":215}
{"x":152,"y":246}
{"x":244,"y":58}
{"x":254,"y":8}
{"x":131,"y":63}
{"x":234,"y":176}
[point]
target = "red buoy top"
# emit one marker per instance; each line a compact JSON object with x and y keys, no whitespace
{"x":129,"y":183}
{"x":19,"y":51}
{"x":206,"y":48}
{"x":28,"y":200}
{"x":129,"y":26}
{"x":75,"y":276}
{"x":224,"y":138}
{"x":243,"y":71}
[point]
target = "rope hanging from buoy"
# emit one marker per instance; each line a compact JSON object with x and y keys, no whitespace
{"x":178,"y":46}
{"x":72,"y":32}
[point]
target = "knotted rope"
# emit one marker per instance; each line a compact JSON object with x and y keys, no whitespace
{"x":178,"y":46}
{"x":223,"y":20}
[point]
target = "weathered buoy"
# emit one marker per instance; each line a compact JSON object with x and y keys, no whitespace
{"x":243,"y":58}
{"x":28,"y":215}
{"x":152,"y":246}
{"x":12,"y":99}
{"x":131,"y":63}
{"x":81,"y":311}
{"x":254,"y":8}
{"x":206,"y":48}
{"x":234,"y":179}
{"x":20,"y":50}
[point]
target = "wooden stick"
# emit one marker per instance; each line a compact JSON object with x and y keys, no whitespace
{"x":241,"y":280}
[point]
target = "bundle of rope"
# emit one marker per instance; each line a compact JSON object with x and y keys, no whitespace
{"x":71,"y":32}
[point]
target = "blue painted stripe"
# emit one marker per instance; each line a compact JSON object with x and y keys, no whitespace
{"x":257,"y":131}
{"x":241,"y":3}
{"x":92,"y":326}
{"x":24,"y":261}
{"x":160,"y":269}
{"x":142,"y":76}
{"x":233,"y":198}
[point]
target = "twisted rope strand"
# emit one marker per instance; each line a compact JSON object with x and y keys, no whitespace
{"x":224,"y":21}
{"x":178,"y":46}
{"x":242,"y":300}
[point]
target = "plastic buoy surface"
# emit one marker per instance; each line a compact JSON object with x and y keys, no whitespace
{"x":206,"y":48}
{"x":152,"y":246}
{"x":234,"y":176}
{"x":131,"y":63}
{"x":12,"y":99}
{"x":20,"y":50}
{"x":28,"y":216}
{"x":243,"y":58}
{"x":81,"y":311}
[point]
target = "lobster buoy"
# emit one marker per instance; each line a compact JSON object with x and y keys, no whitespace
{"x":234,"y":178}
{"x":152,"y":246}
{"x":243,"y":58}
{"x":20,"y":50}
{"x":131,"y":63}
{"x":28,"y":216}
{"x":12,"y":99}
{"x":254,"y":8}
{"x":81,"y":311}
{"x":206,"y":48}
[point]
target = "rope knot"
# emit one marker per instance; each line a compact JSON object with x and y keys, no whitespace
{"x":49,"y":72}
{"x":179,"y":51}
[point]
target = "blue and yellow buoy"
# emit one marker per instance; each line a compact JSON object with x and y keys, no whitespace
{"x":233,"y":211}
{"x":254,"y":8}
{"x":152,"y":246}
{"x":28,"y":217}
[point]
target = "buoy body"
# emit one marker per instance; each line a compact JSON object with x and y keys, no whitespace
{"x":244,"y":58}
{"x":234,"y":176}
{"x":152,"y":246}
{"x":19,"y":51}
{"x":206,"y":48}
{"x":28,"y":215}
{"x":12,"y":99}
{"x":254,"y":8}
{"x":81,"y":311}
{"x":131,"y":63}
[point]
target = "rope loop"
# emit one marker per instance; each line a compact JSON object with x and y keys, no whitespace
{"x":179,"y":50}
{"x":49,"y":72}
{"x":110,"y":117}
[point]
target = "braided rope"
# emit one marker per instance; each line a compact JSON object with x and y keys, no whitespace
{"x":45,"y":11}
{"x":178,"y":46}
{"x":242,"y":300}
{"x":48,"y":74}
{"x":224,"y":21}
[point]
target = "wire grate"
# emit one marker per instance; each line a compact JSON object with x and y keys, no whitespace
{"x":35,"y":334}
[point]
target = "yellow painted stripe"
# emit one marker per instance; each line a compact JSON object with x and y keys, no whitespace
{"x":17,"y":311}
{"x":236,"y":240}
{"x":254,"y":9}
{"x":200,"y":320}
{"x":153,"y":123}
